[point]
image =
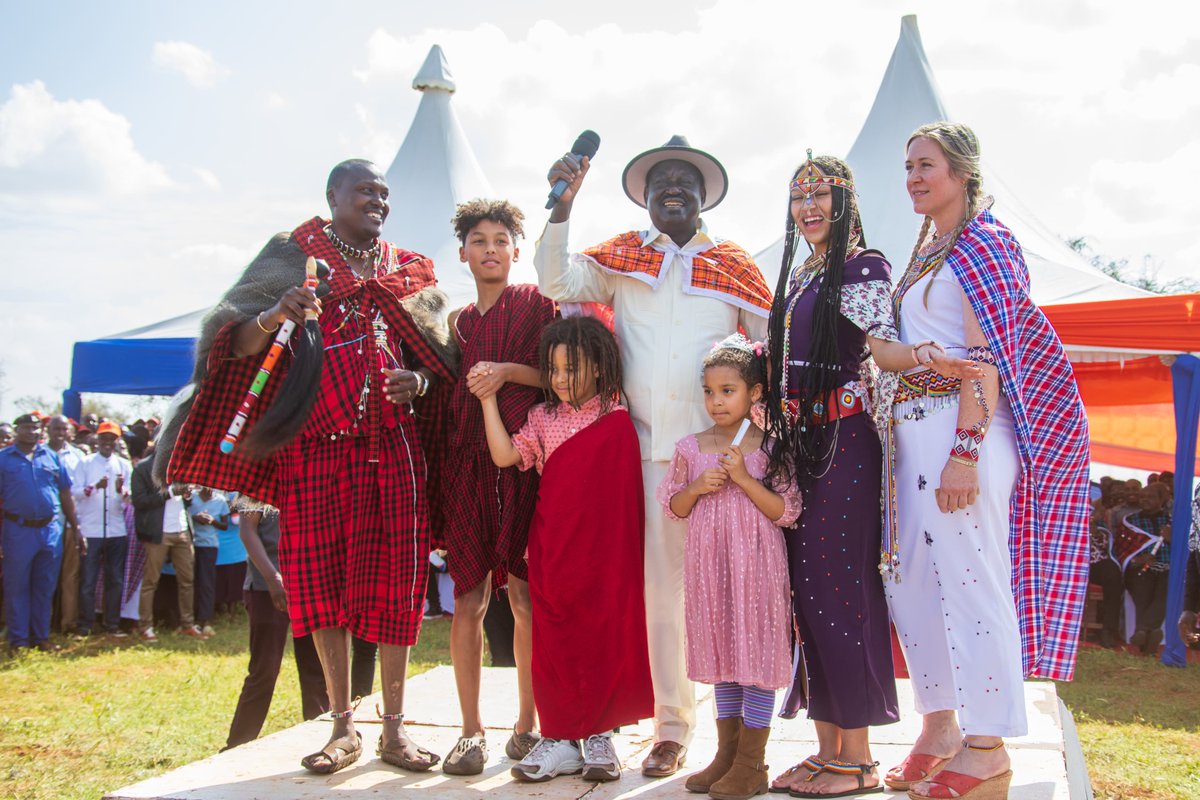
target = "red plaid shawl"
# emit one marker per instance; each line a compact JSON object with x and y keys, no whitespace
{"x":1049,"y":516}
{"x":197,"y":458}
{"x":724,"y":271}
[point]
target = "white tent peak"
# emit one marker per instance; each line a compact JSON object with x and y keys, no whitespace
{"x":434,"y":73}
{"x":908,"y":98}
{"x":434,"y":170}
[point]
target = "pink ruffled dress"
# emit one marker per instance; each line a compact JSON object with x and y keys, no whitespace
{"x":736,"y":591}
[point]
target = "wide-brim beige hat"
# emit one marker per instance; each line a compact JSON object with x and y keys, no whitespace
{"x":716,"y":180}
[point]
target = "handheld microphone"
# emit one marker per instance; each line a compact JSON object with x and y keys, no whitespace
{"x":585,"y":146}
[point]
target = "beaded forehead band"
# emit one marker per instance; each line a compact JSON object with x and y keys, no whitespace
{"x":810,"y":177}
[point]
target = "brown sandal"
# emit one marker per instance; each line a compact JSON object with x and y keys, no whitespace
{"x":324,"y":762}
{"x":399,"y":753}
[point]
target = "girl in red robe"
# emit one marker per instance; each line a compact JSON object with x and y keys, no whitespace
{"x":591,"y":668}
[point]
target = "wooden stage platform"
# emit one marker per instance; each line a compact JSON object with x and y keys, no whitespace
{"x":1047,"y":764}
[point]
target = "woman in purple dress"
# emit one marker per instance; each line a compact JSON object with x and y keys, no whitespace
{"x":830,"y":326}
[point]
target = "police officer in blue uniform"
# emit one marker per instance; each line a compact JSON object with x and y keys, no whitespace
{"x":34,"y":487}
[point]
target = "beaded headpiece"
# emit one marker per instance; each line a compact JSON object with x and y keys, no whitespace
{"x":810,"y":176}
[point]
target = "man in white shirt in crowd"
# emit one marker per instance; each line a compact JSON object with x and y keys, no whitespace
{"x":101,"y":488}
{"x":59,"y":432}
{"x":674,"y":291}
{"x":162,"y":524}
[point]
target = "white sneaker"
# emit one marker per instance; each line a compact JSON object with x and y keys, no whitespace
{"x":600,"y":762}
{"x":548,"y":759}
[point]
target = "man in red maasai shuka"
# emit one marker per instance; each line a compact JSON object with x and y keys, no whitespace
{"x":351,"y":486}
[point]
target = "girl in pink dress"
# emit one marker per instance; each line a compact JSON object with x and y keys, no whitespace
{"x":737,"y":499}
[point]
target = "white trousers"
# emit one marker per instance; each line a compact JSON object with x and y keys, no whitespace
{"x":953,"y":607}
{"x":674,"y":694}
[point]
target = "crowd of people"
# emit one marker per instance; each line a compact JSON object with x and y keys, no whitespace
{"x":671,"y":472}
{"x":1131,"y":557}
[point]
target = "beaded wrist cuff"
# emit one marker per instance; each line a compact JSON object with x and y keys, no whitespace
{"x":966,"y":443}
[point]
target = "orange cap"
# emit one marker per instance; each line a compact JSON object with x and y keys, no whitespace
{"x":109,"y":427}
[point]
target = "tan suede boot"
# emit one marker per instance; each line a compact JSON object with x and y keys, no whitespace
{"x":728,"y":730}
{"x":748,"y":775}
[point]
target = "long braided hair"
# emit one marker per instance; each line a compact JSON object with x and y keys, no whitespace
{"x":961,"y":148}
{"x":806,"y":444}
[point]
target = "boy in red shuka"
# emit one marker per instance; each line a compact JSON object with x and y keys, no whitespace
{"x":489,"y":508}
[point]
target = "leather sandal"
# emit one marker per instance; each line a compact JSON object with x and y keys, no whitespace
{"x":324,"y":762}
{"x":859,"y":771}
{"x":812,"y":765}
{"x":948,"y":785}
{"x":915,"y":767}
{"x":400,"y":752}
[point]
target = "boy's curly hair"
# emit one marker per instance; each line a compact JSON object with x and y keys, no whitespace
{"x":472,"y":212}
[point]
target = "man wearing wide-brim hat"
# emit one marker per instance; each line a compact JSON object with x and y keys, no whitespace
{"x":674,"y":290}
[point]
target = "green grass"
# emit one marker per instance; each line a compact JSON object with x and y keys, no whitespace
{"x":105,"y":713}
{"x":102,"y":714}
{"x":1139,"y":724}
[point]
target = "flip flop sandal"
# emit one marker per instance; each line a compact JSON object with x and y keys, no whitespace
{"x":323,"y":762}
{"x":812,"y":764}
{"x":915,"y":767}
{"x":860,"y":771}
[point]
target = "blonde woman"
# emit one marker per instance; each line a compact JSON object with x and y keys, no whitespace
{"x":990,"y":482}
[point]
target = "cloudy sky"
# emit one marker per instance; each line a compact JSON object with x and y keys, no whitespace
{"x":147,"y":150}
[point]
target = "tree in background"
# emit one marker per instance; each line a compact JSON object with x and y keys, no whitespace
{"x":1143,"y":277}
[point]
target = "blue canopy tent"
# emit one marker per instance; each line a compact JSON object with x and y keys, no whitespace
{"x":155,"y":359}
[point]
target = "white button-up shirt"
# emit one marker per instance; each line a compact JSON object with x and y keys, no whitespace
{"x":90,"y":502}
{"x":663,"y":333}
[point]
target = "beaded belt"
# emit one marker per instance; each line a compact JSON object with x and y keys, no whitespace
{"x":841,"y":403}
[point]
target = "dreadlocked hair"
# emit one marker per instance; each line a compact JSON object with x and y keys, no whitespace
{"x":472,"y":212}
{"x":805,"y":446}
{"x":589,"y":345}
{"x":960,"y":146}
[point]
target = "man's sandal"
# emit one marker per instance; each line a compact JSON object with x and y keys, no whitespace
{"x":324,"y":762}
{"x":399,"y":753}
{"x":783,"y":783}
{"x":915,"y":767}
{"x":948,"y":785}
{"x":859,"y":771}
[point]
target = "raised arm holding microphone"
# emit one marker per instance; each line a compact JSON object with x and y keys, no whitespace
{"x":674,"y":290}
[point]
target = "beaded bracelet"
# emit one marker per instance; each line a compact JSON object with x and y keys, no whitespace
{"x":966,"y":443}
{"x":983,"y":354}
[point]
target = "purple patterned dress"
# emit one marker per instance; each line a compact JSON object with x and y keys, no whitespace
{"x":833,"y":554}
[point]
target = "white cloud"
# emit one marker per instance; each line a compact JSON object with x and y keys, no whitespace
{"x":195,"y":64}
{"x":208,"y":178}
{"x":275,"y":100}
{"x":74,"y":147}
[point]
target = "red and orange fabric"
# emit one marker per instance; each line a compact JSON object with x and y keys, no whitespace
{"x":724,"y":270}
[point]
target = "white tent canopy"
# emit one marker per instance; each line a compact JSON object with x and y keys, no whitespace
{"x":908,"y":98}
{"x":435,"y":170}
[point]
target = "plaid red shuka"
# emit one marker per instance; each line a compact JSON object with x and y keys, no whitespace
{"x":488,"y":509}
{"x":197,"y":458}
{"x":1049,"y":514}
{"x":724,"y":271}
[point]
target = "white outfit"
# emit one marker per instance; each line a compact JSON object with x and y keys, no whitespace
{"x":664,"y":335}
{"x":953,"y":607}
{"x":90,"y":502}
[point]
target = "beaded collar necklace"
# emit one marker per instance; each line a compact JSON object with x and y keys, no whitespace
{"x":351,"y":252}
